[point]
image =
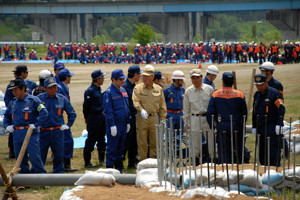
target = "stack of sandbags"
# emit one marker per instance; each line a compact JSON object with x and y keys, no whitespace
{"x":295,"y":132}
{"x":289,"y":179}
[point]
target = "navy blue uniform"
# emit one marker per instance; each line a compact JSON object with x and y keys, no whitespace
{"x":20,"y":113}
{"x":206,"y":81}
{"x":95,"y":120}
{"x":131,"y":142}
{"x":269,"y":103}
{"x":276,"y":84}
{"x":51,"y":135}
{"x":225,"y":102}
{"x":174,"y":101}
{"x":116,"y":110}
{"x":68,"y":138}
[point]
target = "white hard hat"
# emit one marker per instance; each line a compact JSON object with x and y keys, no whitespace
{"x":267,"y":66}
{"x":149,"y":67}
{"x":178,"y":75}
{"x":212,"y":69}
{"x":44,"y":74}
{"x":87,"y":51}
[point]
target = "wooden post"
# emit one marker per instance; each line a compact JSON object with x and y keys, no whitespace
{"x":9,"y":190}
{"x":234,"y":83}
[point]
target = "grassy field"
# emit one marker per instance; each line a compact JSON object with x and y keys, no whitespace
{"x":287,"y":74}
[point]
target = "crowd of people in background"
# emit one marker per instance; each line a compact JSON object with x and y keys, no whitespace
{"x":215,"y":52}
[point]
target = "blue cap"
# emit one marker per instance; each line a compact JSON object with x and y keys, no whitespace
{"x":228,"y":76}
{"x":65,"y":72}
{"x":117,"y":73}
{"x":49,"y":82}
{"x":134,"y":69}
{"x":97,"y":74}
{"x":59,"y":65}
{"x":158,"y":75}
{"x":15,"y":83}
{"x":260,"y":79}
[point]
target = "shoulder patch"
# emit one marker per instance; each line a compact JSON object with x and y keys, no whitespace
{"x":40,"y":107}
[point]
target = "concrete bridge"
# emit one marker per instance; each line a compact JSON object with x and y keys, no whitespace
{"x":176,"y":20}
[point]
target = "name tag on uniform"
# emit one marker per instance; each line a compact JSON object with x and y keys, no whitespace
{"x":26,"y":108}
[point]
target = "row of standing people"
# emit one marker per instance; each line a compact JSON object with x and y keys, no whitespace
{"x":129,"y":115}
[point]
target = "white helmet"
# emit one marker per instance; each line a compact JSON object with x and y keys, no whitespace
{"x":212,"y":69}
{"x":178,"y":75}
{"x":44,"y":74}
{"x":267,"y":66}
{"x":149,"y":67}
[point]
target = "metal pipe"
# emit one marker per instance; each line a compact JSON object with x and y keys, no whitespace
{"x":208,"y":173}
{"x":283,"y":173}
{"x":193,"y":155}
{"x":231,"y":134}
{"x":175,"y":158}
{"x":255,"y":149}
{"x":201,"y":155}
{"x":257,"y":163}
{"x":294,"y":167}
{"x":226,"y":160}
{"x":221,"y":142}
{"x":170,"y":152}
{"x":237,"y":160}
{"x":269,"y":194}
{"x":190,"y":152}
{"x":289,"y":150}
{"x":243,"y":147}
{"x":215,"y":164}
{"x":279,"y":149}
{"x":265,"y":140}
{"x":181,"y":157}
{"x":157,"y":150}
{"x":60,"y":179}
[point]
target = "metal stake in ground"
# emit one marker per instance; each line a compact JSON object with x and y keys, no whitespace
{"x":294,"y":167}
{"x":257,"y":162}
{"x":181,"y":157}
{"x":243,"y":147}
{"x":257,"y":118}
{"x":170,"y":155}
{"x":175,"y":159}
{"x":193,"y":155}
{"x":208,"y":173}
{"x":201,"y":155}
{"x":157,"y":150}
{"x":265,"y":140}
{"x":279,"y":149}
{"x":226,"y":159}
{"x":289,"y":150}
{"x":221,"y":142}
{"x":231,"y":134}
{"x":190,"y":152}
{"x":269,"y":193}
{"x":283,"y":173}
{"x":215,"y":163}
{"x":237,"y":160}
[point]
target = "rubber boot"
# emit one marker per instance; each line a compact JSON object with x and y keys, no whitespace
{"x":87,"y":160}
{"x":67,"y":165}
{"x":101,"y":156}
{"x":119,"y":165}
{"x":11,"y":153}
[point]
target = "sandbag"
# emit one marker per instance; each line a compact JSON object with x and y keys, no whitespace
{"x":275,"y":178}
{"x":146,"y":175}
{"x":147,"y":163}
{"x":93,"y":178}
{"x":250,"y":179}
{"x":290,"y":172}
{"x":108,"y":171}
{"x":68,"y":194}
{"x":232,"y":177}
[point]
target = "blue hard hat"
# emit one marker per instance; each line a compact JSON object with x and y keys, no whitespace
{"x":134,"y":69}
{"x":117,"y":73}
{"x":59,"y":65}
{"x":15,"y":83}
{"x":228,"y":76}
{"x":158,"y":75}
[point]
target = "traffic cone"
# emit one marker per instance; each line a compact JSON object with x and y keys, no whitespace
{"x":200,"y":65}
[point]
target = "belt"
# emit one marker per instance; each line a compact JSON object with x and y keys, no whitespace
{"x":21,"y":127}
{"x":50,"y":128}
{"x":197,"y":115}
{"x":150,"y":115}
{"x":173,"y":111}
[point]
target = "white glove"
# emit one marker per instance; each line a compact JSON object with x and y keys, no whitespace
{"x":144,"y":114}
{"x":113,"y":131}
{"x":64,"y":127}
{"x":10,"y":128}
{"x":277,"y":129}
{"x":254,"y":131}
{"x":32,"y":126}
{"x":128,"y":128}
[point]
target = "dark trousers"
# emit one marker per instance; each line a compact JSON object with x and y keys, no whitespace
{"x":131,"y":143}
{"x":96,"y":133}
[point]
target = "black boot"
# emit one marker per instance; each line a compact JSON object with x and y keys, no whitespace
{"x":101,"y":156}
{"x":67,"y":165}
{"x":119,"y":165}
{"x":87,"y":160}
{"x":11,"y":153}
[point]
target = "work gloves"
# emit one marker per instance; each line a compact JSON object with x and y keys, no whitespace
{"x":64,"y":127}
{"x":113,"y":131}
{"x":144,"y":114}
{"x":278,"y":129}
{"x":128,"y":128}
{"x":10,"y":128}
{"x":32,"y":126}
{"x":254,"y":131}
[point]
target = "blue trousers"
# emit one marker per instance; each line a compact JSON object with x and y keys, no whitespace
{"x":115,"y":145}
{"x":175,"y":122}
{"x":55,"y":140}
{"x":69,"y":144}
{"x":33,"y":150}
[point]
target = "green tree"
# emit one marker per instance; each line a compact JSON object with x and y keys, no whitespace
{"x":253,"y":30}
{"x":117,"y":35}
{"x":143,"y":34}
{"x":197,"y":38}
{"x":272,"y":36}
{"x":101,"y":39}
{"x":157,"y":37}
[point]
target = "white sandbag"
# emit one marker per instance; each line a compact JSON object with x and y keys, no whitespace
{"x":166,"y":186}
{"x":290,"y":172}
{"x":68,"y":194}
{"x":147,"y":163}
{"x":219,"y":176}
{"x":84,"y":133}
{"x":263,"y":190}
{"x":297,"y":137}
{"x":146,"y":175}
{"x":233,"y":178}
{"x":93,"y":178}
{"x":297,"y":147}
{"x":275,"y":178}
{"x":217,"y":193}
{"x":250,"y":179}
{"x":243,"y":188}
{"x":108,"y":171}
{"x":288,"y":184}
